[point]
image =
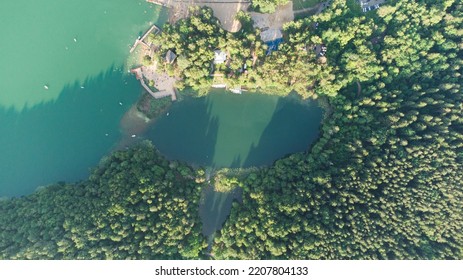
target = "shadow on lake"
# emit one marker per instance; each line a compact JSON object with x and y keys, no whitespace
{"x":293,"y":128}
{"x":65,"y":138}
{"x":188,"y":133}
{"x":225,"y":130}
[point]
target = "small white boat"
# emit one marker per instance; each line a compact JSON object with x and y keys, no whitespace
{"x":120,"y":103}
{"x":45,"y":87}
{"x":133,"y":135}
{"x":167,"y":114}
{"x":75,"y":40}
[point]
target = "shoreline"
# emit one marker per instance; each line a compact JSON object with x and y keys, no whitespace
{"x":150,"y":108}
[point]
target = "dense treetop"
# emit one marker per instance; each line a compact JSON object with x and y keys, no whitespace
{"x":384,"y":181}
{"x":267,"y":6}
{"x":136,"y":205}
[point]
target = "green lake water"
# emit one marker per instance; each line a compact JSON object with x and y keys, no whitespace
{"x":230,"y":130}
{"x":79,"y":50}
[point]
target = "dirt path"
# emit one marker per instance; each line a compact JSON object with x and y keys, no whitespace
{"x":276,"y":20}
{"x":272,"y":24}
{"x":226,"y":13}
{"x":310,"y":9}
{"x":224,"y":10}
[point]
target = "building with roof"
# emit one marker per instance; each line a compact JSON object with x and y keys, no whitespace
{"x":273,"y":45}
{"x":219,"y":57}
{"x":170,"y":57}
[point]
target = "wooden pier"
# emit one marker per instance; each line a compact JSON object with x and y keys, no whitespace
{"x":141,"y":40}
{"x":160,"y":94}
{"x":164,"y":3}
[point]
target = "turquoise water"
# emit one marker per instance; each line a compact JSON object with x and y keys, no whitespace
{"x":229,"y":130}
{"x":79,"y":50}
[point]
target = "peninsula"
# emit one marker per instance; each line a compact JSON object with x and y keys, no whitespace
{"x":201,"y":48}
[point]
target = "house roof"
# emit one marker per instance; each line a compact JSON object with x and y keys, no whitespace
{"x":170,"y":56}
{"x":219,"y":57}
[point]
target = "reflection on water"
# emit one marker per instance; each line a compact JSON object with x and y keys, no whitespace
{"x":215,"y":208}
{"x":227,"y":130}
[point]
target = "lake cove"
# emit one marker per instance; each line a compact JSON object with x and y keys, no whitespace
{"x":230,"y":130}
{"x":237,"y":131}
{"x":64,"y":86}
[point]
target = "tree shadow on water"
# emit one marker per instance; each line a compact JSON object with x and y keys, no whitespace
{"x":64,"y":138}
{"x":215,"y":208}
{"x":293,"y":127}
{"x":188,"y":133}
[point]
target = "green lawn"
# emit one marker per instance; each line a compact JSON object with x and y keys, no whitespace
{"x":302,"y":4}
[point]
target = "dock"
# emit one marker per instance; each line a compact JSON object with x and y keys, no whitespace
{"x":160,"y":94}
{"x":164,"y":3}
{"x":141,"y":40}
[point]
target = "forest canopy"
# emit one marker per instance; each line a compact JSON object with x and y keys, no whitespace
{"x":135,"y":205}
{"x":384,"y":180}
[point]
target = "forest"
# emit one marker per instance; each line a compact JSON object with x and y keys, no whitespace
{"x":383,"y":181}
{"x":135,"y":205}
